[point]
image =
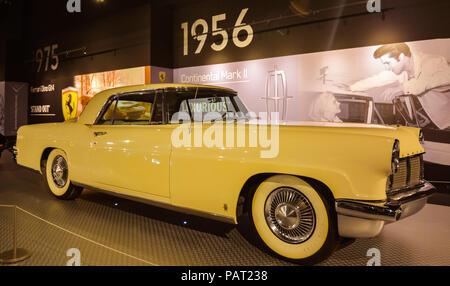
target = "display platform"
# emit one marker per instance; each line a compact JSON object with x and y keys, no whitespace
{"x":111,"y":231}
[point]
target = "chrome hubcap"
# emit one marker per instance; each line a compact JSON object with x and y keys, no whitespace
{"x":290,"y":215}
{"x":287,"y":216}
{"x":59,"y":171}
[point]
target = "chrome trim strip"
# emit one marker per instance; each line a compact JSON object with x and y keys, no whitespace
{"x":335,"y":124}
{"x":188,"y":211}
{"x":402,"y":190}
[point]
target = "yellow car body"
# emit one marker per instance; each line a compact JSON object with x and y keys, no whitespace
{"x":353,"y":161}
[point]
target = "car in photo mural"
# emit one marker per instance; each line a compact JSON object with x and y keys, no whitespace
{"x":362,"y":109}
{"x":303,"y":190}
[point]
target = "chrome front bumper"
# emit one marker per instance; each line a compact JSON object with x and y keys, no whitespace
{"x":360,"y":219}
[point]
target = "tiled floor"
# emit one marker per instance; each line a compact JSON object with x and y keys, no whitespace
{"x":112,"y":231}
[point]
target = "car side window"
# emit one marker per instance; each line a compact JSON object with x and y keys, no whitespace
{"x":134,"y":109}
{"x":107,"y":117}
{"x":131,"y":112}
{"x":200,"y":106}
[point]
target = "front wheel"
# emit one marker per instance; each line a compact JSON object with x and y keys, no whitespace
{"x":57,"y":177}
{"x":294,"y":220}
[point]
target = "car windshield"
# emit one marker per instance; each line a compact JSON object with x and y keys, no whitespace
{"x":205,"y":105}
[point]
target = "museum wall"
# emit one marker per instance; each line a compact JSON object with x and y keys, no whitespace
{"x":280,"y":29}
{"x":52,"y":49}
{"x":11,"y":46}
{"x":59,"y":46}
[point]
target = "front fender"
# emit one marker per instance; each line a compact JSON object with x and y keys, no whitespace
{"x":353,"y":166}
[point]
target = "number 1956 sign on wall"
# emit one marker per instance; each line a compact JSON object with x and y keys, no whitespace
{"x":199,"y":31}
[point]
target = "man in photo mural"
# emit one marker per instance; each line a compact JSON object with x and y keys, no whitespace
{"x":422,"y":75}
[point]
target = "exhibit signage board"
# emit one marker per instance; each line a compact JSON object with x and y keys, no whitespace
{"x":13,"y":107}
{"x":302,"y":78}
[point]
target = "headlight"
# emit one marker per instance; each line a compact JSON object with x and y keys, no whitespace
{"x":396,"y":157}
{"x":421,"y":137}
{"x":395,"y":165}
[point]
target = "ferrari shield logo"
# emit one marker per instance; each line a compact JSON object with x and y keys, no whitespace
{"x":162,"y":77}
{"x":69,"y":103}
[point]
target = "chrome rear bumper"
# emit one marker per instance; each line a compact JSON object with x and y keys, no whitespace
{"x":366,"y":219}
{"x":14,"y":153}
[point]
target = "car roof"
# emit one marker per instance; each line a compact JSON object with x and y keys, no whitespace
{"x":89,"y":115}
{"x":181,"y":86}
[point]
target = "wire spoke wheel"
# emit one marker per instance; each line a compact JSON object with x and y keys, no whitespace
{"x":57,"y":176}
{"x":290,"y":215}
{"x":59,"y":171}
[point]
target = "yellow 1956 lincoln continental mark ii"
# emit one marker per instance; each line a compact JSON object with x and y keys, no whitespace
{"x":195,"y":149}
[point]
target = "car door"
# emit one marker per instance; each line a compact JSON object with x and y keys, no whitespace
{"x":200,"y":175}
{"x":129,"y":146}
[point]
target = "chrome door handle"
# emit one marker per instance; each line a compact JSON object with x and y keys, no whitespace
{"x":96,"y":134}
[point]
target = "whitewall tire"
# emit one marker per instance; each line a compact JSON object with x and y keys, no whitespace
{"x":57,"y":176}
{"x":294,"y":220}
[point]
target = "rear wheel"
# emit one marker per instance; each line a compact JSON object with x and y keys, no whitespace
{"x":294,"y":220}
{"x":57,"y":176}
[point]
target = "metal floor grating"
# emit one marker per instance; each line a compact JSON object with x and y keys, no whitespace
{"x":113,"y":231}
